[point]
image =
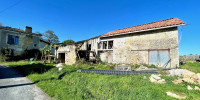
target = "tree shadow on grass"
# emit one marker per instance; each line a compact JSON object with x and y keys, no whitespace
{"x":35,"y":68}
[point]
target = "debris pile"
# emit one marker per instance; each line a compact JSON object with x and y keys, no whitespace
{"x":177,"y":81}
{"x":185,"y":76}
{"x":195,"y":88}
{"x":156,"y":79}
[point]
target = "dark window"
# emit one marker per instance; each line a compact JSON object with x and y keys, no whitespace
{"x":100,"y":45}
{"x":110,"y":44}
{"x":35,"y":45}
{"x":89,"y":47}
{"x":13,"y":39}
{"x":104,"y":44}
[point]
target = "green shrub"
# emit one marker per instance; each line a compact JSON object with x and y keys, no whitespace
{"x":151,"y":66}
{"x":81,"y":62}
{"x":4,"y":55}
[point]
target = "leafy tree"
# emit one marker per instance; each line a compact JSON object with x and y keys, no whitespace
{"x":46,"y":53}
{"x":67,"y":42}
{"x":51,"y":37}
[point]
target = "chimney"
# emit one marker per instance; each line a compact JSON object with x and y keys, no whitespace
{"x":28,"y":29}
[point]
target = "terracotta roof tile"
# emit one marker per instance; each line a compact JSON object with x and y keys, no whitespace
{"x":157,"y":24}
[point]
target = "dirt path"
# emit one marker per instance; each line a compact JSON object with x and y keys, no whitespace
{"x":14,"y":86}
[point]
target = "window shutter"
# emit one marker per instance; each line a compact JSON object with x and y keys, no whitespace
{"x":9,"y":39}
{"x":12,"y":40}
{"x":16,"y":40}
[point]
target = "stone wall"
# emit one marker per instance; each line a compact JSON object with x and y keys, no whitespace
{"x":134,"y":48}
{"x":190,"y":57}
{"x":70,"y":54}
{"x":106,"y":56}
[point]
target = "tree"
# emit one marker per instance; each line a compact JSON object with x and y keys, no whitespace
{"x":51,"y":37}
{"x":44,"y":54}
{"x":1,"y":24}
{"x":37,"y":32}
{"x":67,"y":42}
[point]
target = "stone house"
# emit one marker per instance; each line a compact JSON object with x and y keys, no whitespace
{"x":152,"y":43}
{"x":17,"y":40}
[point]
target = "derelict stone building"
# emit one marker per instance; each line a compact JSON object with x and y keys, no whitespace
{"x":152,"y":43}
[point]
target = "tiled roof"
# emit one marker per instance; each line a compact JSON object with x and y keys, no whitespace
{"x":157,"y":24}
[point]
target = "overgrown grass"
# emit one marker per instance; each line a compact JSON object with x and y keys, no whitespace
{"x":68,"y":84}
{"x":192,"y":66}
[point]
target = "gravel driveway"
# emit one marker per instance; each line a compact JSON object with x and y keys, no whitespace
{"x":14,"y":86}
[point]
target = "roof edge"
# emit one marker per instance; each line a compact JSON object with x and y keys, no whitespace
{"x":141,"y":30}
{"x":18,"y":30}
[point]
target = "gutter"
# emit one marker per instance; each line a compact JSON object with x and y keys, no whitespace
{"x":142,"y":30}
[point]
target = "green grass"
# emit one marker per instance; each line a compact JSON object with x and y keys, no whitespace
{"x":69,"y":84}
{"x":194,"y":67}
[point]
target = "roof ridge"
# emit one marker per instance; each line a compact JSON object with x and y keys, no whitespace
{"x":146,"y":23}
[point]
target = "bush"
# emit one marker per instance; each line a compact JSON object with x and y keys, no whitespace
{"x":81,"y":62}
{"x":32,"y":53}
{"x":4,"y":55}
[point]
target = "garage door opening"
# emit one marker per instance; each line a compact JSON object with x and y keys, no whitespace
{"x":61,"y":57}
{"x":159,"y":58}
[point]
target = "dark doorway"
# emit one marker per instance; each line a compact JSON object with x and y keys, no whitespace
{"x":61,"y":57}
{"x":83,"y":55}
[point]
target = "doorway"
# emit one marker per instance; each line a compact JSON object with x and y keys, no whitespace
{"x":160,"y":58}
{"x":61,"y":57}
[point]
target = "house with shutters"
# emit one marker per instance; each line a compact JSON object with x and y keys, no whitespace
{"x":17,"y":40}
{"x":152,"y":43}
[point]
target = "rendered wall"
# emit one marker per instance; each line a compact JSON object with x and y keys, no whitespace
{"x":26,"y":41}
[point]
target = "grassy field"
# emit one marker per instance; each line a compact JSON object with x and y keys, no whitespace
{"x":69,"y":84}
{"x":194,"y":67}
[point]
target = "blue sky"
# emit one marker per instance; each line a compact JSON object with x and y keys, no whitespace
{"x":83,"y":19}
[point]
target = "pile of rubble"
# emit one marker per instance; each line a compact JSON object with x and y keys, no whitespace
{"x":185,"y":76}
{"x":156,"y":79}
{"x":195,"y":88}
